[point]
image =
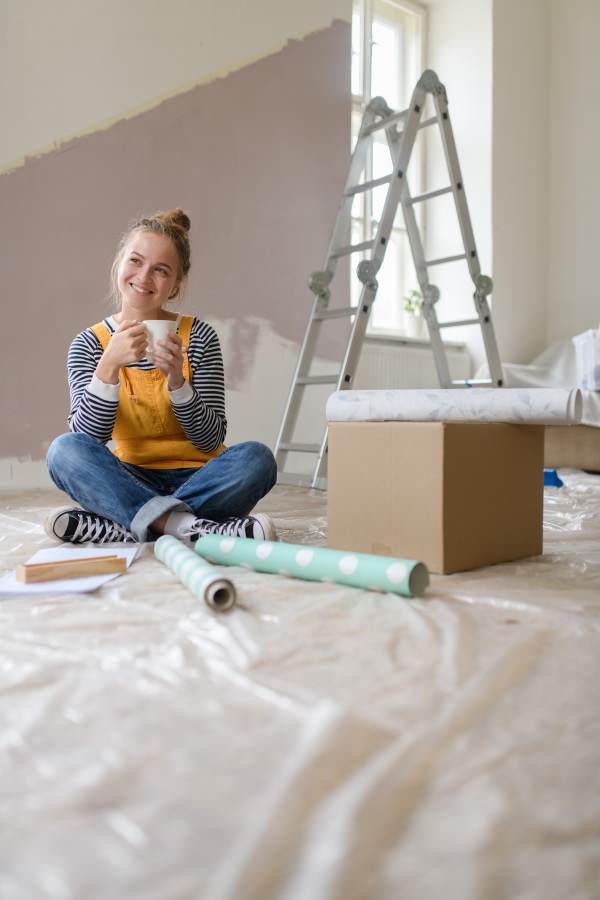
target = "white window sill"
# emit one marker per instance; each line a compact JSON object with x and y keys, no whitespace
{"x":397,"y":337}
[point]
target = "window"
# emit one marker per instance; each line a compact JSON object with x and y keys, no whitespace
{"x":387,"y":40}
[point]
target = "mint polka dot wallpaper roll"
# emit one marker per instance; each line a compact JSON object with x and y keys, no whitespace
{"x":407,"y":577}
{"x":198,"y":576}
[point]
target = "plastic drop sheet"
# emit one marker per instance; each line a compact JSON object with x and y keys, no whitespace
{"x":314,"y":742}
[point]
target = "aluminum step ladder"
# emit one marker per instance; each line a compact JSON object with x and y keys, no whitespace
{"x":401,"y":130}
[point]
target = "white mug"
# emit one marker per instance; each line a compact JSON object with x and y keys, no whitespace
{"x":157,"y":331}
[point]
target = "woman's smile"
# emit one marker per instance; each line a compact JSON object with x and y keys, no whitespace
{"x":138,"y":289}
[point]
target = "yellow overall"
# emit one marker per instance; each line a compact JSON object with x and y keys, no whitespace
{"x":146,"y":430}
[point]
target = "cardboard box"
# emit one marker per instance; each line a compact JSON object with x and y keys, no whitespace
{"x":573,"y":447}
{"x":452,"y":495}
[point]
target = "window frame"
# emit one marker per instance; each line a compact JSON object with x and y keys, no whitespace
{"x":364,"y":14}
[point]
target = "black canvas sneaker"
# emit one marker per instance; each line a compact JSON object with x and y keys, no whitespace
{"x":75,"y":526}
{"x":258,"y":527}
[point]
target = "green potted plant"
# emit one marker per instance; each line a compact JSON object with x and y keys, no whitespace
{"x":413,"y":318}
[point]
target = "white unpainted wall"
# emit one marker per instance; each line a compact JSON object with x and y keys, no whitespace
{"x":521,"y":79}
{"x":573,"y":186}
{"x":459,"y":50}
{"x":521,"y":171}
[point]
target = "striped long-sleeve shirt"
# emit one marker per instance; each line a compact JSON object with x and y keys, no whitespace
{"x":199,"y":407}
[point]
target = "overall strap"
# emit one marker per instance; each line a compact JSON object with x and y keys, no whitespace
{"x":185,"y":329}
{"x":102,"y":333}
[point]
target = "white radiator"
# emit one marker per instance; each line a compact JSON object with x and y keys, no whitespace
{"x":404,"y":364}
{"x":385,"y":363}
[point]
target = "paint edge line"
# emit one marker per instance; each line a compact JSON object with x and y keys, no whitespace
{"x":147,"y":105}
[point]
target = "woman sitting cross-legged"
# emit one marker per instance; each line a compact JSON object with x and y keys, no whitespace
{"x":170,"y":473}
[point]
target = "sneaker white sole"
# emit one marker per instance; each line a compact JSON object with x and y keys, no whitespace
{"x":267,"y":526}
{"x":51,"y":518}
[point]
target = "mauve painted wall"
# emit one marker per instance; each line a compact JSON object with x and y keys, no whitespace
{"x":258,"y":159}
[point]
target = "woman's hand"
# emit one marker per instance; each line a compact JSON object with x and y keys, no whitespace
{"x":169,"y":360}
{"x":127,"y":345}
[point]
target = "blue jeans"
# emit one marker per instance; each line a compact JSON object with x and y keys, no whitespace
{"x":229,"y":485}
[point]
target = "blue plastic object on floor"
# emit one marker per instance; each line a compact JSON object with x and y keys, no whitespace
{"x":551,"y":478}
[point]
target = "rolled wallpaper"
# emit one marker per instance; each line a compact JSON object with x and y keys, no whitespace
{"x":522,"y":406}
{"x":407,"y":577}
{"x":197,"y":575}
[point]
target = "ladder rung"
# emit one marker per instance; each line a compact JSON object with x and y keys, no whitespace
{"x":420,"y":197}
{"x":336,"y":313}
{"x":468,"y":382}
{"x":317,"y":379}
{"x":367,"y":186}
{"x":386,"y":123}
{"x":424,"y":124}
{"x":455,"y":324}
{"x":296,"y":480}
{"x":301,"y":480}
{"x":300,"y":448}
{"x":445,"y":259}
{"x":353,"y":248}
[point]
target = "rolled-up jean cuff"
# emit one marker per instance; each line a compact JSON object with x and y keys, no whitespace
{"x":151,"y":511}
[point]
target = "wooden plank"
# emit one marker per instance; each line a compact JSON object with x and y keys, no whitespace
{"x":71,"y":568}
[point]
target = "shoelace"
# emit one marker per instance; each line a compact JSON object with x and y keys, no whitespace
{"x":231,"y":527}
{"x":98,"y":530}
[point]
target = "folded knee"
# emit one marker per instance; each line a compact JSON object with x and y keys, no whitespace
{"x":67,"y":446}
{"x":264,"y":459}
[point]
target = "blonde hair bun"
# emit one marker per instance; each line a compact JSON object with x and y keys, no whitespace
{"x":174,"y":218}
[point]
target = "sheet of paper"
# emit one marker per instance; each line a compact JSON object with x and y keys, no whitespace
{"x":10,"y":585}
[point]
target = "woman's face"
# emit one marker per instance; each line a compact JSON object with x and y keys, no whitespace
{"x":147,"y":274}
